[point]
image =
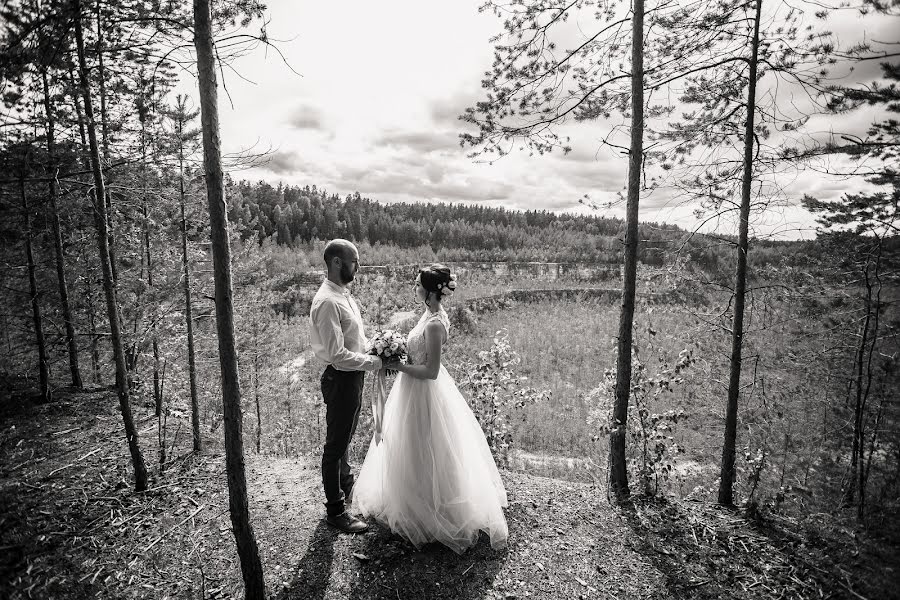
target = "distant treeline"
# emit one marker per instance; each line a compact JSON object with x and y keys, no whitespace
{"x":293,"y":215}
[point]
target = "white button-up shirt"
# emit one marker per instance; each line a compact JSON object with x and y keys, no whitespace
{"x":336,"y":330}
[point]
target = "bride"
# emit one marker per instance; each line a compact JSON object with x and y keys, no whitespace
{"x":429,"y":475}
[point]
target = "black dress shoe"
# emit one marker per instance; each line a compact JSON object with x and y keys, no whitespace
{"x":347,"y":523}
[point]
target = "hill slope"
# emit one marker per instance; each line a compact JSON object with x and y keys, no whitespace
{"x":73,"y":528}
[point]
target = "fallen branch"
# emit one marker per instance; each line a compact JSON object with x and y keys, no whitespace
{"x":92,"y":452}
{"x":65,"y":431}
{"x":55,"y":471}
{"x":849,"y":589}
{"x":180,"y":523}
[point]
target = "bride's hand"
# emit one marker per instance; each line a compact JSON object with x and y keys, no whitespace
{"x":392,"y":366}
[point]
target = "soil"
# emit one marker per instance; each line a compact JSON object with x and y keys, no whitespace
{"x":73,"y":527}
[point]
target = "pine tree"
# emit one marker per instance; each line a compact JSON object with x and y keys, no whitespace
{"x":251,"y":567}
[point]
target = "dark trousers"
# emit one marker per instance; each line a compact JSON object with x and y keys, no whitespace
{"x":342,"y":391}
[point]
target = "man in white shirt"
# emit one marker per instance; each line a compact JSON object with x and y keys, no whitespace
{"x":337,"y":338}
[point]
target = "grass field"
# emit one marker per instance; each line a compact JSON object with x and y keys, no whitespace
{"x":565,"y":347}
{"x":790,"y":421}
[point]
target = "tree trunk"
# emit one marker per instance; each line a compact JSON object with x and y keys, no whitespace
{"x":92,"y":326}
{"x":873,"y":318}
{"x":188,"y":313}
{"x":157,"y":388}
{"x":727,"y":472}
{"x":74,"y":370}
{"x":43,"y":366}
{"x":256,"y":385}
{"x":857,"y":383}
{"x":92,"y":329}
{"x":100,"y":222}
{"x":618,"y":471}
{"x":157,"y":394}
{"x":104,"y":134}
{"x":101,"y":71}
{"x":251,"y":567}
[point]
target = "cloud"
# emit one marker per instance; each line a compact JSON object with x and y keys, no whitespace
{"x":473,"y":191}
{"x":435,"y":172}
{"x":446,"y":110}
{"x":434,"y":183}
{"x":282,"y":163}
{"x":307,"y":117}
{"x":419,"y":141}
{"x":584,"y":153}
{"x":293,"y":164}
{"x":864,"y":72}
{"x":606,"y":175}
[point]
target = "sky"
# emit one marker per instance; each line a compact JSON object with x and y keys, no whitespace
{"x":374,"y":102}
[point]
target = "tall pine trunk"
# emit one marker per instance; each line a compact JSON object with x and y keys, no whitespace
{"x":256,"y":384}
{"x":157,"y":393}
{"x":618,"y":471}
{"x":727,"y":473}
{"x":71,"y":343}
{"x":43,"y":366}
{"x":862,"y":381}
{"x":92,"y":326}
{"x":188,"y":312}
{"x":251,"y":567}
{"x":104,"y":135}
{"x":100,"y":222}
{"x":849,"y":496}
{"x":157,"y":388}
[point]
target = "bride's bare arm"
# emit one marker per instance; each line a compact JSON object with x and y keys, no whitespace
{"x":434,"y":333}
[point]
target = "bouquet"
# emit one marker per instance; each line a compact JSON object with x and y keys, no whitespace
{"x":388,"y":345}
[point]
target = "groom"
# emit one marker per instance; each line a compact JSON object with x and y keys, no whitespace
{"x":336,"y":336}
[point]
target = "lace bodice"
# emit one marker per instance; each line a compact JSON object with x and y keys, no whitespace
{"x":415,"y":342}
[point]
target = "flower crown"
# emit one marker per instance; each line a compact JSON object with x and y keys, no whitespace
{"x":446,"y":288}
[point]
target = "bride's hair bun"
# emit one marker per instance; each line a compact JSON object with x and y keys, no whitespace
{"x":437,"y":278}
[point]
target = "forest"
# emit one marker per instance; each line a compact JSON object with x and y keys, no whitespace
{"x":154,"y":318}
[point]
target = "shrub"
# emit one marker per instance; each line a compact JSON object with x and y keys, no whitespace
{"x":652,"y":451}
{"x":496,"y":395}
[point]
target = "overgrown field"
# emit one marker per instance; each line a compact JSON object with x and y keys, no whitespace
{"x":795,"y":417}
{"x":792,"y":418}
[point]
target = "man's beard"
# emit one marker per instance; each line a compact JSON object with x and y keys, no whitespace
{"x":346,"y":274}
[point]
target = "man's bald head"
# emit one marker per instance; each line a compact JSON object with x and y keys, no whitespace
{"x":341,"y":260}
{"x":339,"y":248}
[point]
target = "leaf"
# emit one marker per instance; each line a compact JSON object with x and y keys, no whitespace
{"x":362,"y":557}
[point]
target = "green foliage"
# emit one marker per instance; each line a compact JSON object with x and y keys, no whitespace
{"x":652,"y":450}
{"x":462,"y":319}
{"x":404,"y":233}
{"x":496,"y":395}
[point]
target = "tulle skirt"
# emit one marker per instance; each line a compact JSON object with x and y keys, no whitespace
{"x":432,"y":478}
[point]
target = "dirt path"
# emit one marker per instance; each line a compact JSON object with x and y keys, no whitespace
{"x":564,"y":543}
{"x":74,"y":528}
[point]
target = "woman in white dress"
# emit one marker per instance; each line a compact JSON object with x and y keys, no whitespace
{"x":431,"y":477}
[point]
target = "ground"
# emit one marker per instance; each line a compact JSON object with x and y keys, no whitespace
{"x":73,"y":527}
